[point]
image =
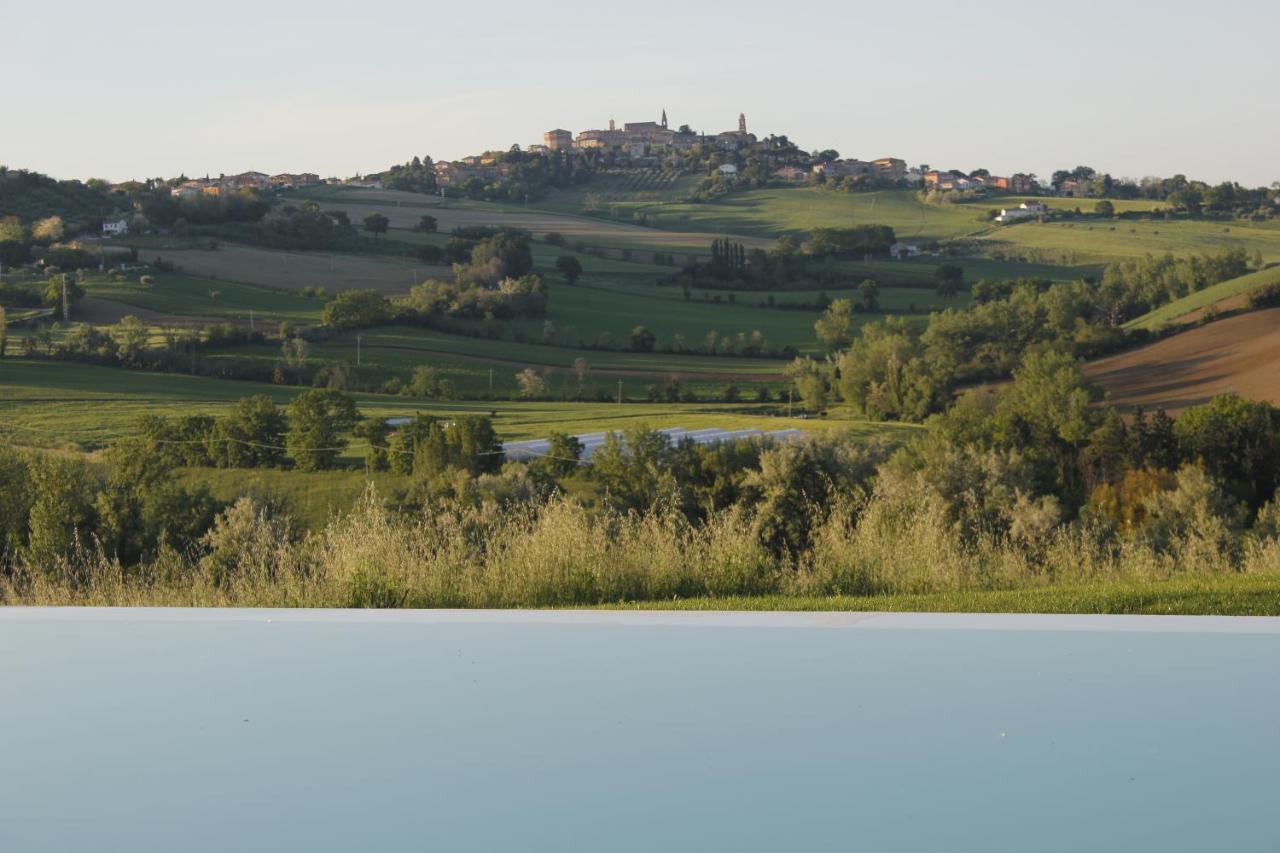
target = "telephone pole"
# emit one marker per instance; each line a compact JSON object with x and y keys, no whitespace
{"x":357,"y":350}
{"x":66,"y":310}
{"x":619,"y":392}
{"x":490,"y":380}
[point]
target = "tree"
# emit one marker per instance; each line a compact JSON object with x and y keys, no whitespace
{"x":563,"y":454}
{"x":532,"y":384}
{"x":48,"y":230}
{"x":837,"y":325}
{"x":354,"y":308}
{"x":53,"y":291}
{"x":1237,"y":441}
{"x":427,"y":224}
{"x":1104,"y":209}
{"x":869,"y":290}
{"x":375,"y":431}
{"x":132,"y":335}
{"x":642,"y":340}
{"x":251,"y":436}
{"x":947,"y":279}
{"x":570,"y":266}
{"x":376,"y":223}
{"x":15,"y":499}
{"x":62,"y":490}
{"x":807,"y":376}
{"x":317,"y":420}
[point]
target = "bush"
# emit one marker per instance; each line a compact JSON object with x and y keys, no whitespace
{"x":1267,"y":296}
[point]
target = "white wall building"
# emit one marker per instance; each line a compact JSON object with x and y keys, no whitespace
{"x":117,"y":228}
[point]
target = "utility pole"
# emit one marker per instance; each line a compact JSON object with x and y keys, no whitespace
{"x":789,"y":402}
{"x":619,"y":392}
{"x":357,"y":350}
{"x":490,"y":380}
{"x":66,"y":311}
{"x":251,"y":320}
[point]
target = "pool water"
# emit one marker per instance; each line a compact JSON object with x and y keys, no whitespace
{"x":172,"y":730}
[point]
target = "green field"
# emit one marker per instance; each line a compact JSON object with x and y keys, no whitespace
{"x":1221,"y":595}
{"x":215,"y":299}
{"x":53,"y":403}
{"x":1202,"y":298}
{"x":1102,"y":241}
{"x":772,"y":213}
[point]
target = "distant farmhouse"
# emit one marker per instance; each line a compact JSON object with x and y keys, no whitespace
{"x":115,"y":228}
{"x":1026,"y":210}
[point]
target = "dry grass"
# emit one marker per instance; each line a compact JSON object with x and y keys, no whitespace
{"x":561,"y":554}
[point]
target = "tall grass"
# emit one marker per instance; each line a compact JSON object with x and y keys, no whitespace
{"x":561,"y":554}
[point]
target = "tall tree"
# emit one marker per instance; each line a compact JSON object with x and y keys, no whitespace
{"x":318,"y":418}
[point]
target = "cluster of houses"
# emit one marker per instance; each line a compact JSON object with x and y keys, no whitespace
{"x":1016,"y":184}
{"x":226,"y":184}
{"x":640,"y":142}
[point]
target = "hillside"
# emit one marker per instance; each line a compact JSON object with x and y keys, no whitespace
{"x":1224,"y":295}
{"x":31,"y":196}
{"x":1236,"y":355}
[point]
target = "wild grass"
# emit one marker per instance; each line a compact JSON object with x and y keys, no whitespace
{"x":563,"y":555}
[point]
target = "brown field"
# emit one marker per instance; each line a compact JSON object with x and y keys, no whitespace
{"x":296,"y":270}
{"x":595,"y":232}
{"x":1240,"y":354}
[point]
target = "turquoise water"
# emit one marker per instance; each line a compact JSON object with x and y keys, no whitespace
{"x":245,"y":731}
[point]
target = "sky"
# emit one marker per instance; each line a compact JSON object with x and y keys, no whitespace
{"x":141,"y":88}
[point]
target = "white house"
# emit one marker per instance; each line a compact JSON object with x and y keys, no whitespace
{"x":898,"y":251}
{"x":117,"y":228}
{"x":728,"y":170}
{"x":1026,"y":210}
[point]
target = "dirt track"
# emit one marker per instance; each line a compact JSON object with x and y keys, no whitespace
{"x":1240,"y":354}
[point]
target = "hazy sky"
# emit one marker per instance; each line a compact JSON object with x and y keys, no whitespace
{"x":134,"y":88}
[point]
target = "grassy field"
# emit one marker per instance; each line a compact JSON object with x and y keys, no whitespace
{"x":311,"y":497}
{"x":774,"y":212}
{"x":1089,"y":241}
{"x":453,"y":214}
{"x":1232,"y":291}
{"x":296,"y":270}
{"x":52,"y":403}
{"x":188,"y":295}
{"x":1223,"y":595}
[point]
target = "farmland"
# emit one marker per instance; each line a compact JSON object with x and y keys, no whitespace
{"x":296,"y":270}
{"x":405,"y":209}
{"x":52,"y":403}
{"x":1102,"y":241}
{"x":1234,"y":355}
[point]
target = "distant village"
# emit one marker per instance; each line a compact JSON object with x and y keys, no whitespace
{"x":730,"y":158}
{"x":654,"y":144}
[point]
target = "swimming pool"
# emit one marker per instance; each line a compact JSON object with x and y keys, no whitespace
{"x":194,"y":730}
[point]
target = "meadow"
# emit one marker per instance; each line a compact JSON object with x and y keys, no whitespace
{"x":296,"y":270}
{"x":1224,"y":295}
{"x":207,"y":298}
{"x":1103,"y":241}
{"x":55,"y":403}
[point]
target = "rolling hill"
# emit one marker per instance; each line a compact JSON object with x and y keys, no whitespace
{"x":1235,"y":355}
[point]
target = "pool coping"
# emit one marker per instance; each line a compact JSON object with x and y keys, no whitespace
{"x":857,"y":620}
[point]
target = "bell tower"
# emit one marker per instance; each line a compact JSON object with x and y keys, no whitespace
{"x":742,"y":123}
{"x":664,"y":119}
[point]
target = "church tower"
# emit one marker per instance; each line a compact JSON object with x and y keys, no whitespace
{"x":664,"y":119}
{"x":742,"y":123}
